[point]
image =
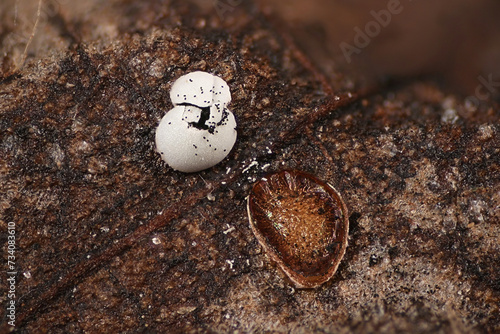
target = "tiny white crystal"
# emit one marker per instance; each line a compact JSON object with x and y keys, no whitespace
{"x":199,"y":131}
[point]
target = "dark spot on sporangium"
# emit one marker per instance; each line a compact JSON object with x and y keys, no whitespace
{"x":204,"y":117}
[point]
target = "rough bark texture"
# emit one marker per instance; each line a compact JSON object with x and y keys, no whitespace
{"x":112,"y":240}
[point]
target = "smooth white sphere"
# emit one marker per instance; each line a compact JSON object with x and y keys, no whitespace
{"x":201,"y":89}
{"x":187,"y":148}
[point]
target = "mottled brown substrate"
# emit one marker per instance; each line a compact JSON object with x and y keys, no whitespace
{"x":112,"y":240}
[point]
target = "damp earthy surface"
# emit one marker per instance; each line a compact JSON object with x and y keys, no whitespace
{"x":108,"y":239}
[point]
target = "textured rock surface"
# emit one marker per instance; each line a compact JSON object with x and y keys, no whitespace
{"x":111,"y":240}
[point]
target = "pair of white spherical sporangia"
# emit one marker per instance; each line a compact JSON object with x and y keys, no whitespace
{"x":200,"y":130}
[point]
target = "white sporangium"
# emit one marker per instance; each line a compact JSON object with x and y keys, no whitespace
{"x":200,"y":130}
